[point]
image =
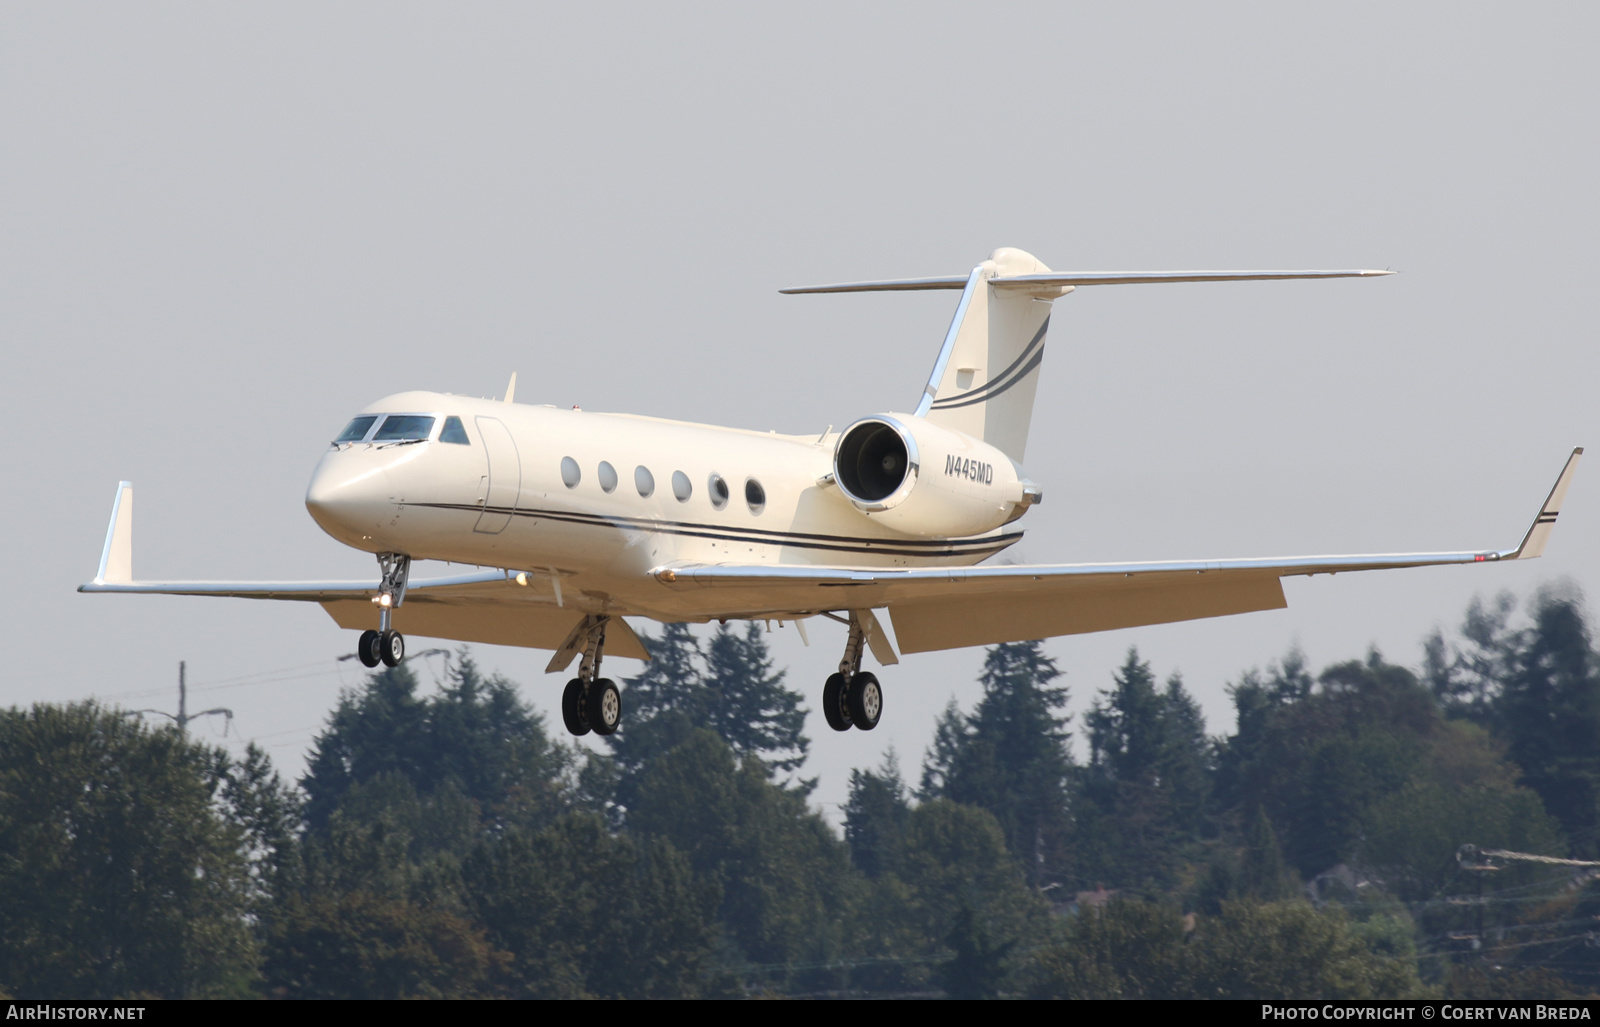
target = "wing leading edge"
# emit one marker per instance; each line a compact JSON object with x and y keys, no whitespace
{"x":950,"y":608}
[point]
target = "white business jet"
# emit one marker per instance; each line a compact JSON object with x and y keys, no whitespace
{"x":575,"y":520}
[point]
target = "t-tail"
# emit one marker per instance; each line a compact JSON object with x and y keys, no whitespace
{"x":987,"y":372}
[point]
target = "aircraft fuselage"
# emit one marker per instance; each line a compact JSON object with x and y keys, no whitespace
{"x":603,"y":499}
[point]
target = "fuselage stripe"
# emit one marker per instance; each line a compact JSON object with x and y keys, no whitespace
{"x":798,"y":540}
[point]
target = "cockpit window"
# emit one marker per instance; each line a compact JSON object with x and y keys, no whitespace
{"x":404,"y":428}
{"x":356,"y":430}
{"x":454,"y":432}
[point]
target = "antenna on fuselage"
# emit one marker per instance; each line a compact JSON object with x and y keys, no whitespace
{"x":511,"y":387}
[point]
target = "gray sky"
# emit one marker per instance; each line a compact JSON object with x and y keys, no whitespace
{"x":224,"y":228}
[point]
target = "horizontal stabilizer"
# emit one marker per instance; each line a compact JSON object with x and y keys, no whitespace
{"x":1076,"y":278}
{"x":890,"y":285}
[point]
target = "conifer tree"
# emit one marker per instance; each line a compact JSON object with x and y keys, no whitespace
{"x":1467,"y":679}
{"x":671,"y":675}
{"x":729,"y":687}
{"x":662,"y":705}
{"x":1130,"y":817}
{"x":1549,"y":713}
{"x":1010,"y":758}
{"x":781,"y":872}
{"x":1187,"y":760}
{"x":477,"y":736}
{"x":748,"y":704}
{"x":949,"y":734}
{"x":1146,"y":784}
{"x":1255,"y":701}
{"x":1263,"y":873}
{"x":875,"y":815}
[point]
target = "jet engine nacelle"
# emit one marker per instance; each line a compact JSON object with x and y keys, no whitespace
{"x":922,"y":479}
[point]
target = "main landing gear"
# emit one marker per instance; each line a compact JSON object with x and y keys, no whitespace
{"x":853,"y":697}
{"x":591,"y":702}
{"x":386,"y":645}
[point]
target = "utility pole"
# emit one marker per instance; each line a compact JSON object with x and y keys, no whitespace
{"x":1477,"y":862}
{"x":182,"y":719}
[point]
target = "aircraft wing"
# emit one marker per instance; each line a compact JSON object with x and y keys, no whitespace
{"x":949,"y":608}
{"x":494,"y":606}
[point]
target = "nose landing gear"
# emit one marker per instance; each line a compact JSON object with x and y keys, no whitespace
{"x":852,"y":697}
{"x":591,"y":702}
{"x":386,"y":645}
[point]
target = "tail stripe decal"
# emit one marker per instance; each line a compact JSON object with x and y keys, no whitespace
{"x":1032,"y":354}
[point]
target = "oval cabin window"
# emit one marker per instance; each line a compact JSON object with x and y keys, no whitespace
{"x":644,"y":481}
{"x":608,"y":477}
{"x":681,"y":487}
{"x":570,"y":473}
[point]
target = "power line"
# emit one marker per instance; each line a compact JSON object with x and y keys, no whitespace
{"x":250,"y":678}
{"x":245,"y":678}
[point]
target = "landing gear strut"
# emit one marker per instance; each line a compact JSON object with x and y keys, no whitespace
{"x":591,"y":702}
{"x":386,"y":645}
{"x":853,"y":697}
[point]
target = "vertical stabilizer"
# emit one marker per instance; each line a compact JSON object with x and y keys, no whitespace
{"x":988,"y":369}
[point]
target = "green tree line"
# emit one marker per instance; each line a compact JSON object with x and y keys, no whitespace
{"x":442,"y":843}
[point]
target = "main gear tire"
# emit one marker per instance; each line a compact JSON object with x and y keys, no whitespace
{"x":572,"y":708}
{"x":865,"y":701}
{"x":367,"y":649}
{"x":834,"y":709}
{"x":602,"y":706}
{"x":391,"y":647}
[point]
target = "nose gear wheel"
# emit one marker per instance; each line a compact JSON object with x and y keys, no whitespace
{"x":386,"y":645}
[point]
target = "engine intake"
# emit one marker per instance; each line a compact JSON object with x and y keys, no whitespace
{"x":924,"y":479}
{"x":873,"y":460}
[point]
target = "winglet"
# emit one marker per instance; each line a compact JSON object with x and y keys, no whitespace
{"x":511,"y":388}
{"x":1533,"y":542}
{"x":116,"y":559}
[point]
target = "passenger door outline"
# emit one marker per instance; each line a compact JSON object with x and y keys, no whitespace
{"x":505,"y":476}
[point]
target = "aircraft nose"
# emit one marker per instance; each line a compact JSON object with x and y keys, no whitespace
{"x":347,"y":498}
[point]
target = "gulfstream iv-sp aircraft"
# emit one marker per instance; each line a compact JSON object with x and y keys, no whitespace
{"x":574,"y":521}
